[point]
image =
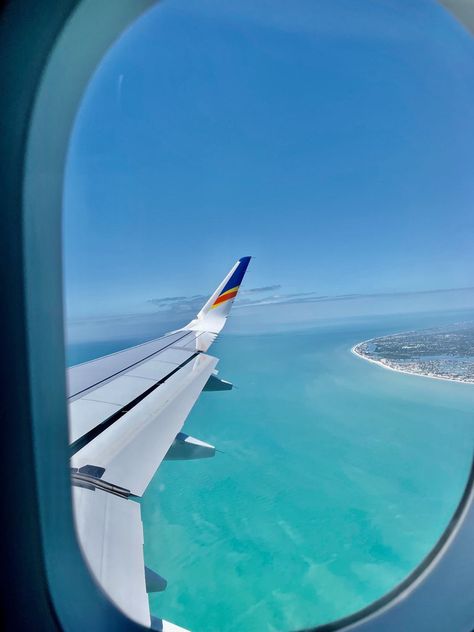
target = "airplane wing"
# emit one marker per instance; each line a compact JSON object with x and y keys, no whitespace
{"x":126,"y":413}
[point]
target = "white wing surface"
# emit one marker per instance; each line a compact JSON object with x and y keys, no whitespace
{"x":126,"y":413}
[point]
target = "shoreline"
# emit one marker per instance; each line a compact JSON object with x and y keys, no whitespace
{"x":391,"y":368}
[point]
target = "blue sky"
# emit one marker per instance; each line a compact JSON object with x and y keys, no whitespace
{"x":333,"y":141}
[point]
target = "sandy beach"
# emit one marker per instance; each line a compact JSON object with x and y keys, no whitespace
{"x":391,"y":368}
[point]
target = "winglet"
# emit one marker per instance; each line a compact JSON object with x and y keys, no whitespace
{"x":213,"y":315}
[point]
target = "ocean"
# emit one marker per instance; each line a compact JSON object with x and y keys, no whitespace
{"x":334,"y":478}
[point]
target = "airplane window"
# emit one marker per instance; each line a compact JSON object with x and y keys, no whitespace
{"x":332,"y":144}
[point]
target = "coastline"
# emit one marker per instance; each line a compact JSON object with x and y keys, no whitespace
{"x":391,"y":368}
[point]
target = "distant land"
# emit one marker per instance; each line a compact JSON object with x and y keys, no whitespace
{"x":445,"y":353}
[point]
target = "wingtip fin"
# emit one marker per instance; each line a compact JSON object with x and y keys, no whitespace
{"x":214,"y":313}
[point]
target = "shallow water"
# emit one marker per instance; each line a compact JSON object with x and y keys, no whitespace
{"x":336,"y":478}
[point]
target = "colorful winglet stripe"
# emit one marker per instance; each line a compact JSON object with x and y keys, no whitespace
{"x":231,"y":288}
{"x":226,"y":296}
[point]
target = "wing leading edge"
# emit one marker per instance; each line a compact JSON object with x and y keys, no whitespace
{"x":126,"y":413}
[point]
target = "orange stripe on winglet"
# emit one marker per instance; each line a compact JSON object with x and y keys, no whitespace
{"x":224,"y":297}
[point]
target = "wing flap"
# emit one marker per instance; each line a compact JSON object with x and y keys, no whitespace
{"x":132,"y":448}
{"x":98,"y":403}
{"x":110,"y":532}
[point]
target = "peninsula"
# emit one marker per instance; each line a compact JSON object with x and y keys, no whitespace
{"x":445,"y":353}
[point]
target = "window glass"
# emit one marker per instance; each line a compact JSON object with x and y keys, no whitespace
{"x":334,"y":143}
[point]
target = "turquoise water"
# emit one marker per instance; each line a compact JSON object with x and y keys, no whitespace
{"x":335,"y":479}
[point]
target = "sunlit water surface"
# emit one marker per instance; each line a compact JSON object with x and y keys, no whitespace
{"x":334,"y":479}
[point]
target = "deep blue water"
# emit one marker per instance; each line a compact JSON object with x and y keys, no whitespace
{"x":335,"y":478}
